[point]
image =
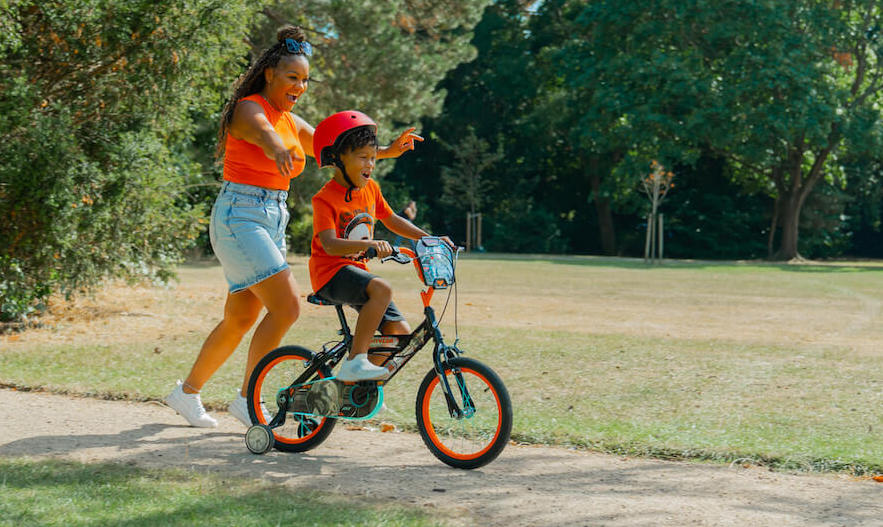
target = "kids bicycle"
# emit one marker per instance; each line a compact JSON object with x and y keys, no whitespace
{"x":463,"y":409}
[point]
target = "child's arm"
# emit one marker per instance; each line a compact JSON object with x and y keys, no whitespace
{"x":335,"y":246}
{"x":403,"y":143}
{"x":403,"y":227}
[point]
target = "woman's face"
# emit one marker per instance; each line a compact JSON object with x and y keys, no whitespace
{"x":287,"y":81}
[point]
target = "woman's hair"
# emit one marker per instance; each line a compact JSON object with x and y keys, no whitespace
{"x":253,"y":81}
{"x":352,"y":140}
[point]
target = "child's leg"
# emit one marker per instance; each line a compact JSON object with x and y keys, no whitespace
{"x":389,"y":327}
{"x":379,"y":295}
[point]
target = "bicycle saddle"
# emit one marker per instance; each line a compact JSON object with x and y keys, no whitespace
{"x":313,"y":298}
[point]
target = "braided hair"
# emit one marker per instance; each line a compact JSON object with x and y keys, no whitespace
{"x":253,"y":81}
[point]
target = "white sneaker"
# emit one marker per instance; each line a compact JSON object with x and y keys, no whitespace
{"x":190,"y":407}
{"x":239,"y":409}
{"x":361,"y":369}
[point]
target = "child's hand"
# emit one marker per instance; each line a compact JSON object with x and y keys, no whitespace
{"x":382,"y":247}
{"x":449,"y":242}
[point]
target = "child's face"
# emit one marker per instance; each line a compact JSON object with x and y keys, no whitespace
{"x":359,"y":164}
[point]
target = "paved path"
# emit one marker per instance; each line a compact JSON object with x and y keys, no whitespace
{"x":526,"y":486}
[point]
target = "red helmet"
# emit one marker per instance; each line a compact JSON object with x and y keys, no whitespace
{"x":332,"y":127}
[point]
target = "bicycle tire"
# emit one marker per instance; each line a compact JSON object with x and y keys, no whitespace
{"x":472,"y":441}
{"x":274,"y":372}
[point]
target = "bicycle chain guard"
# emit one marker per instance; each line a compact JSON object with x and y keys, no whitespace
{"x":333,"y":398}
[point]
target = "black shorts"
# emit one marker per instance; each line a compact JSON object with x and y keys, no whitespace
{"x":350,"y":286}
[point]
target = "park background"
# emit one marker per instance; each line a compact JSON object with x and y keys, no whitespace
{"x":544,"y":117}
{"x":755,"y":342}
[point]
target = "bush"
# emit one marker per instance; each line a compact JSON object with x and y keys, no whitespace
{"x":90,"y":179}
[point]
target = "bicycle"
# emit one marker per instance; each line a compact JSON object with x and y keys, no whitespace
{"x":466,"y":427}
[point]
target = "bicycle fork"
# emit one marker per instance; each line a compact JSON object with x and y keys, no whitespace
{"x":442,"y":354}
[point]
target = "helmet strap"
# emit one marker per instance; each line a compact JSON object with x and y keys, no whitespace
{"x":349,"y":191}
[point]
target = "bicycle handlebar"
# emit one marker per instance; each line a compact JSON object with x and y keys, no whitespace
{"x":396,"y":256}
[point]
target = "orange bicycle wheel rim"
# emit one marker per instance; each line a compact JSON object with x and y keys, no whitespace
{"x":256,"y":395}
{"x":430,"y":428}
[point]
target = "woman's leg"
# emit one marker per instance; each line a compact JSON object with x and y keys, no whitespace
{"x":240,"y":313}
{"x":280,"y":295}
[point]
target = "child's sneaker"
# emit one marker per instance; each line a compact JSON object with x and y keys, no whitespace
{"x":361,"y":369}
{"x":239,"y":409}
{"x":190,"y":407}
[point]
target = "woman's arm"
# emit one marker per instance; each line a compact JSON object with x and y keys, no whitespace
{"x":251,"y":124}
{"x":305,"y":135}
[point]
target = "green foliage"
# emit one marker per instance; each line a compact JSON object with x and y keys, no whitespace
{"x":465,"y":185}
{"x":780,"y":87}
{"x":93,"y":97}
{"x":384,"y":58}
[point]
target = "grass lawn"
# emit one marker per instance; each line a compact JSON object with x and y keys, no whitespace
{"x":773,"y":364}
{"x":77,"y":494}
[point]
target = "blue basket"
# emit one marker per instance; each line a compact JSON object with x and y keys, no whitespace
{"x":437,"y":260}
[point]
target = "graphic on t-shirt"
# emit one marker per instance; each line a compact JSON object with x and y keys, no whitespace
{"x":361,"y":227}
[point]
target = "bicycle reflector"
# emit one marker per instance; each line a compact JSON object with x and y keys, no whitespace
{"x":436,"y":260}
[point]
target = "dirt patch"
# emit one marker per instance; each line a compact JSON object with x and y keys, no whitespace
{"x":525,"y":486}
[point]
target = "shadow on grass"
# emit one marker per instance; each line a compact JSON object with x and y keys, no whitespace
{"x":223,"y":489}
{"x":638,"y":263}
{"x":54,"y":491}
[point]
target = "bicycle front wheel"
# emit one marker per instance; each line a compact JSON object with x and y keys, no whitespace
{"x":276,"y":371}
{"x":479,"y":432}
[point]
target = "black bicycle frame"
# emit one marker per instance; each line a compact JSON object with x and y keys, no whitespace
{"x":406,"y":347}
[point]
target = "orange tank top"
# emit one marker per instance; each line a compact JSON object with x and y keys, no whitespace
{"x":246,"y":162}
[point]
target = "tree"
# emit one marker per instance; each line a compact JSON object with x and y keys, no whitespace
{"x":494,"y":95}
{"x":465,"y":185}
{"x":94,"y":96}
{"x":385,"y":58}
{"x":778,"y":87}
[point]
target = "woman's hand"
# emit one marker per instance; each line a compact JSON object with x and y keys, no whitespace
{"x":402,"y":144}
{"x":285,"y":159}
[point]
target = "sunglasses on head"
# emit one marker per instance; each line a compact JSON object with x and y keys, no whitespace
{"x":298,"y":48}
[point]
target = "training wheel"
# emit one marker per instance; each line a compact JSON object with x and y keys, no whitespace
{"x":259,"y":439}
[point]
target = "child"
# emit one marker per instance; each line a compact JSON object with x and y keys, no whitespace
{"x":344,"y":214}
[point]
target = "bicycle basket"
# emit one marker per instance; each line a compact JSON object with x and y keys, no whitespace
{"x":437,"y":260}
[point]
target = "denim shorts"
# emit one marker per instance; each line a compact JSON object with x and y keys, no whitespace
{"x":247,"y":232}
{"x":350,"y":286}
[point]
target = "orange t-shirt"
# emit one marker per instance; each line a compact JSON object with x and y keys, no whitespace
{"x":353,"y":220}
{"x":246,"y":162}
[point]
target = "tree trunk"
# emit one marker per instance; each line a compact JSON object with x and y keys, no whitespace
{"x":789,"y":214}
{"x":794,"y":196}
{"x":602,"y":209}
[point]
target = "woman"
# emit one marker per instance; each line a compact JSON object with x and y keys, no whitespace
{"x":263,"y":146}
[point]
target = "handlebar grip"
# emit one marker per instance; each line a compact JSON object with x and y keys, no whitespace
{"x":370,"y":253}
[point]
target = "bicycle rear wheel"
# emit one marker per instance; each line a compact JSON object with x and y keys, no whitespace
{"x":479,"y":434}
{"x":277,"y":370}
